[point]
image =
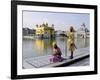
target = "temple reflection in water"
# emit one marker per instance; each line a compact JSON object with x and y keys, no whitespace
{"x":40,"y":47}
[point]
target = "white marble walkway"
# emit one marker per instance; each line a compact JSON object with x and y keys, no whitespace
{"x":44,"y":61}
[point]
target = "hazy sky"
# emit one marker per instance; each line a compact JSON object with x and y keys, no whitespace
{"x":62,"y":21}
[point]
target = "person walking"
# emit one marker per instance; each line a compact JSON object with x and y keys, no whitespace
{"x":71,"y":41}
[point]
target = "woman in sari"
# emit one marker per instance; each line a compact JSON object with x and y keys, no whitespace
{"x":56,"y":54}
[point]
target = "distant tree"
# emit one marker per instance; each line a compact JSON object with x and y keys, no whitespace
{"x":36,"y":25}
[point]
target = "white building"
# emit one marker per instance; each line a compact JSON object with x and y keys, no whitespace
{"x":83,"y":32}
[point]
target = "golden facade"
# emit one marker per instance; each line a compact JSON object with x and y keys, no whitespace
{"x":45,"y":31}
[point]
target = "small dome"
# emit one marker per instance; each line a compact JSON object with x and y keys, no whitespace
{"x":83,"y":28}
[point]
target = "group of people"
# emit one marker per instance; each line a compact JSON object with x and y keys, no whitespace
{"x":71,"y":46}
